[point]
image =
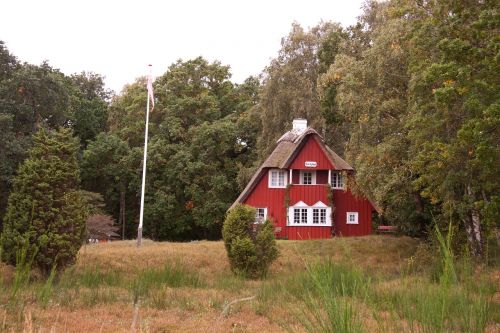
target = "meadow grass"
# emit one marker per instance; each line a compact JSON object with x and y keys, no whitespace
{"x":338,"y":285}
{"x":333,"y":293}
{"x":174,"y":276}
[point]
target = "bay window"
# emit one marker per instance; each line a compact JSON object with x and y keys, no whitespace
{"x":317,"y":215}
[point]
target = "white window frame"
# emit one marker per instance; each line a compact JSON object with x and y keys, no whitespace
{"x":316,"y":215}
{"x":313,"y":177}
{"x":257,"y":220}
{"x":321,"y":214}
{"x":279,"y":172}
{"x":324,"y":215}
{"x":355,"y":219}
{"x":295,"y":217}
{"x":337,"y":180}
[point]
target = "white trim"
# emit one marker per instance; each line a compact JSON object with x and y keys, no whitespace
{"x":329,"y":177}
{"x":290,"y":181}
{"x":313,"y":177}
{"x":279,"y":171}
{"x":300,"y":208}
{"x":352,"y":214}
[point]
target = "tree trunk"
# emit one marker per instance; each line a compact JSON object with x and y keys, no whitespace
{"x":419,"y":206}
{"x":122,"y":210}
{"x":473,"y":228}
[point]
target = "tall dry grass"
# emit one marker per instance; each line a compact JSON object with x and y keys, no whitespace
{"x":360,"y":284}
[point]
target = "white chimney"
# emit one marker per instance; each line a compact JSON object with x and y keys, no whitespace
{"x":299,"y":125}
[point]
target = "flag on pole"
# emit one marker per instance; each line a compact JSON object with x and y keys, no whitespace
{"x":150,"y":90}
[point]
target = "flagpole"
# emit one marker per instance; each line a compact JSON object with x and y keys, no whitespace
{"x":141,"y":214}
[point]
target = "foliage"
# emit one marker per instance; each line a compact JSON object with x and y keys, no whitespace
{"x":99,"y":226}
{"x":109,"y":166}
{"x":454,"y":123}
{"x":45,"y":208}
{"x":408,"y":94}
{"x":289,"y":88}
{"x":416,"y":85}
{"x":34,"y":96}
{"x":89,"y":104}
{"x":250,"y":251}
{"x":201,"y":136}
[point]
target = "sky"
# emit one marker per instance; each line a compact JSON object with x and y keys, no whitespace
{"x":118,"y":39}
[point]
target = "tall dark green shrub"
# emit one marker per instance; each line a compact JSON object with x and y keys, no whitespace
{"x":45,"y":208}
{"x":250,"y":248}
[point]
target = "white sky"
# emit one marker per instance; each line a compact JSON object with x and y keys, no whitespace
{"x":118,"y":39}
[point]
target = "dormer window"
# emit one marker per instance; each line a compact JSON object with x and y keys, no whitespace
{"x":337,"y":180}
{"x":277,"y":178}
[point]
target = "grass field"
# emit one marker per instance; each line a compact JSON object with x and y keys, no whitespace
{"x":365,"y":284}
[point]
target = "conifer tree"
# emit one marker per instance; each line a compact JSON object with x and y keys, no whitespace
{"x":45,"y":210}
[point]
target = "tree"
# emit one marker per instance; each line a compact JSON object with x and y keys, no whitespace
{"x":108,"y":168}
{"x":30,"y":97}
{"x":367,"y":92}
{"x":290,"y":84}
{"x":251,"y":248}
{"x":89,"y":104}
{"x":101,"y":226}
{"x":8,"y":63}
{"x":45,"y":210}
{"x":454,"y":122}
{"x":201,"y":136}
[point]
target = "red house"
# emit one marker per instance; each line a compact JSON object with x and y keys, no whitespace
{"x":303,"y":187}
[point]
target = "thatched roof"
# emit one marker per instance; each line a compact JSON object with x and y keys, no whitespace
{"x":289,"y":145}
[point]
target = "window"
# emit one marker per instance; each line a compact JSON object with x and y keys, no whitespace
{"x":303,"y":216}
{"x":352,"y":218}
{"x":308,"y":177}
{"x":300,"y":216}
{"x":277,"y":178}
{"x":337,"y":180}
{"x":315,"y":216}
{"x":322,"y":216}
{"x":296,"y":216}
{"x":318,"y":215}
{"x":260,"y":215}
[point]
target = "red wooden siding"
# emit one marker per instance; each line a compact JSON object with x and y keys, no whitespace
{"x":344,"y":202}
{"x":300,"y":233}
{"x":309,"y":194}
{"x":322,"y":177}
{"x":311,"y":151}
{"x":271,"y":198}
